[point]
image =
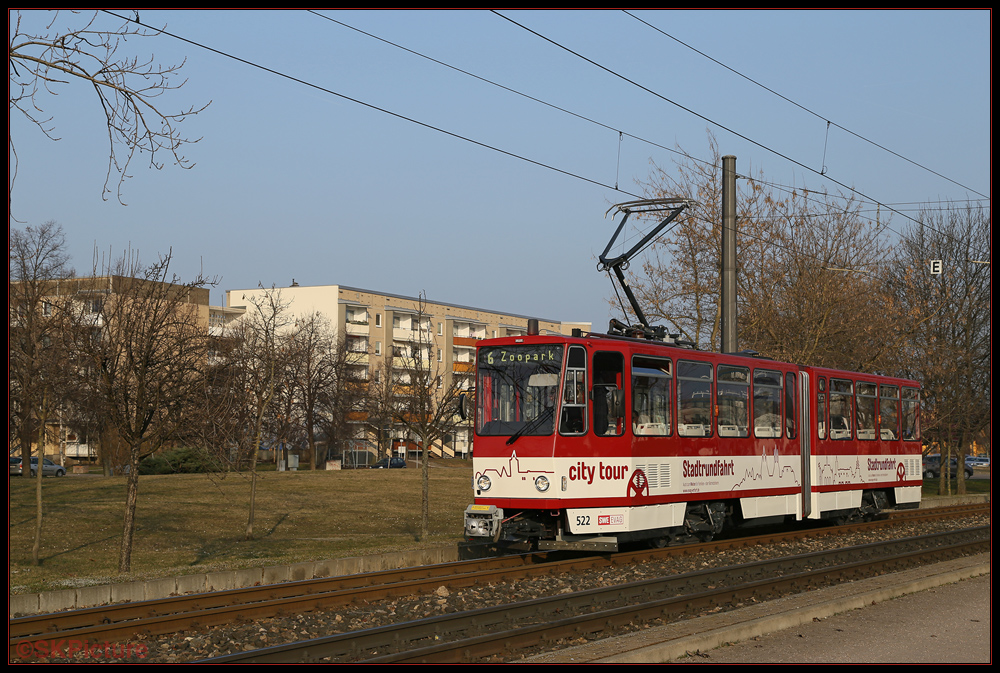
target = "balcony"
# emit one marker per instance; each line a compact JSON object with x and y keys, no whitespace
{"x":412,"y":335}
{"x":400,"y":362}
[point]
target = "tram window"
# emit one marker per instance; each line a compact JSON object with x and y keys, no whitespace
{"x":866,"y":406}
{"x":790,"y":405}
{"x":911,"y":414}
{"x":608,"y":398}
{"x":821,"y":409}
{"x":888,"y":412}
{"x":694,"y":398}
{"x":573,"y":420}
{"x":841,"y":409}
{"x":733,"y":401}
{"x":766,"y":403}
{"x":651,"y":396}
{"x":517,"y":390}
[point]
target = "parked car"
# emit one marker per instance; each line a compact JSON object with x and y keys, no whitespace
{"x":977,"y":461}
{"x":49,"y":469}
{"x":389,"y":462}
{"x":932,"y":467}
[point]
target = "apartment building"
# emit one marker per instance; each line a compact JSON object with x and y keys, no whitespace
{"x":114,"y":304}
{"x":379,"y":325}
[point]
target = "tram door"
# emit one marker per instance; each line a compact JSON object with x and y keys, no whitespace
{"x":805,"y":443}
{"x":608,"y":394}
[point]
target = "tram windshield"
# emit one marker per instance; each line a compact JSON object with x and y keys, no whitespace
{"x":517,"y":389}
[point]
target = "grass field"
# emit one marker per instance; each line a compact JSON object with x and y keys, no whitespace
{"x":974,"y":486}
{"x":195,"y":523}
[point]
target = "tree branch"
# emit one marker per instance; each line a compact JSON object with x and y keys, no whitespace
{"x":126,"y":87}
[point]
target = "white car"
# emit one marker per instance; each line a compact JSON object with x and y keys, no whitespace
{"x":49,"y":469}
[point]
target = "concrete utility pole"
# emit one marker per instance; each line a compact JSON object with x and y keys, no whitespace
{"x":730,"y":335}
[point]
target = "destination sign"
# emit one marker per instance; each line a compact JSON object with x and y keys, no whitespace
{"x":519,"y":355}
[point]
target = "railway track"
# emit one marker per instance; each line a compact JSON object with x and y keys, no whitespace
{"x":481,"y":634}
{"x":202,"y":611}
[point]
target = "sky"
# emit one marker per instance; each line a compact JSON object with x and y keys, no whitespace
{"x":335,"y":151}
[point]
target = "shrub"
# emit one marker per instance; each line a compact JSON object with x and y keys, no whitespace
{"x":182,"y":460}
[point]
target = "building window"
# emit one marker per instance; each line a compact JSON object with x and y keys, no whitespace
{"x":378,"y":348}
{"x":440,"y":329}
{"x":378,"y":320}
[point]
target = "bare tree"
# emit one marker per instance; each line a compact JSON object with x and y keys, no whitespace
{"x":322,"y":378}
{"x":810,"y":288}
{"x":342,"y":407}
{"x":258,"y":357}
{"x":424,"y":400}
{"x":38,"y":357}
{"x":950,"y":353}
{"x":315,"y":384}
{"x":127,"y":88}
{"x":378,"y":404}
{"x":688,"y":255}
{"x":38,"y":262}
{"x":143,"y":335}
{"x":223,"y":413}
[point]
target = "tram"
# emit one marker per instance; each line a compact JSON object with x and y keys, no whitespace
{"x":593,"y":440}
{"x":589,"y":441}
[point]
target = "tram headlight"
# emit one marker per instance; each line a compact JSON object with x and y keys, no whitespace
{"x":542,"y":483}
{"x":483,"y":483}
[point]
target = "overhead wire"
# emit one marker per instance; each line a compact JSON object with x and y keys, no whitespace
{"x":599,"y":123}
{"x":491,"y":82}
{"x":570,"y":112}
{"x":473,"y":141}
{"x":622,"y":133}
{"x":701,"y":116}
{"x":370,"y":106}
{"x":528,"y":96}
{"x":802,"y":107}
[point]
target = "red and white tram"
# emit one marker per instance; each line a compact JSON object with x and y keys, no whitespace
{"x":590,"y":441}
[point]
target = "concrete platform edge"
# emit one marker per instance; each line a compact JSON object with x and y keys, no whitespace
{"x":665,"y":643}
{"x":92,"y":596}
